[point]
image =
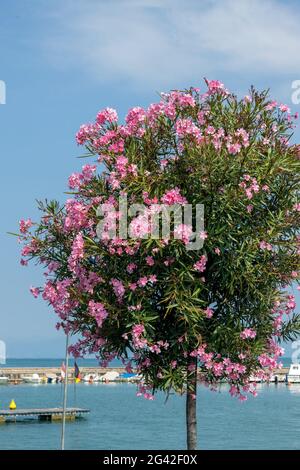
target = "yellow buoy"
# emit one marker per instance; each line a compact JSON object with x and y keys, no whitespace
{"x":12,"y":405}
{"x":77,"y":380}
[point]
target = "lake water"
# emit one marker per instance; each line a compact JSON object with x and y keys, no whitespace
{"x":120,"y":420}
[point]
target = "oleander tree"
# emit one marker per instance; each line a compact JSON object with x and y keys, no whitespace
{"x":179,"y":316}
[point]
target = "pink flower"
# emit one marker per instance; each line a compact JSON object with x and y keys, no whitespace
{"x":131,"y":267}
{"x":25,"y":225}
{"x":139,"y":227}
{"x":135,"y":116}
{"x":217,"y":251}
{"x":215,"y":86}
{"x":248,"y":333}
{"x":186,"y":127}
{"x":35,"y":291}
{"x":74,"y":181}
{"x":98,"y":311}
{"x":201,"y":264}
{"x":284,"y":108}
{"x":142,"y":282}
{"x":263,"y":245}
{"x":76,"y":215}
{"x":77,"y":252}
{"x":132,"y":286}
{"x":271,"y":105}
{"x":208,"y":312}
{"x":183,"y":232}
{"x":107,"y":115}
{"x":296,"y":207}
{"x":118,"y":288}
{"x":233,"y":149}
{"x":173,"y":196}
{"x":137,"y":332}
{"x":150,"y":260}
{"x":203,"y":235}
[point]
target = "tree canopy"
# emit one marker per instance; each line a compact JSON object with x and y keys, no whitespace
{"x":162,"y":308}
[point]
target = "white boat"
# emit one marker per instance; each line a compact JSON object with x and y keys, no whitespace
{"x":3,"y":380}
{"x":293,"y":376}
{"x":110,"y":376}
{"x":91,"y":378}
{"x":32,"y":379}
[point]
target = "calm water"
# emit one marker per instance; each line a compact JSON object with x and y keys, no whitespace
{"x":120,"y":420}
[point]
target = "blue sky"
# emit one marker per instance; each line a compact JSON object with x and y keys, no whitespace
{"x":63,"y":61}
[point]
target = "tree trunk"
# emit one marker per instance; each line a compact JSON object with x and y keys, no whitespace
{"x":191,"y":410}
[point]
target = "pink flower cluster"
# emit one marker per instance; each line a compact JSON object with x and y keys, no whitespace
{"x":201,"y":264}
{"x":183,"y":232}
{"x":218,"y":368}
{"x":76,"y":215}
{"x":134,"y":120}
{"x":248,"y":333}
{"x":107,"y":115}
{"x":35,"y":291}
{"x":263,"y":245}
{"x":57,"y":294}
{"x":173,"y":196}
{"x":87,"y":132}
{"x":215,"y":87}
{"x":185,"y":127}
{"x":250,"y":185}
{"x":98,"y":311}
{"x":137,"y":332}
{"x":118,"y":288}
{"x":76,"y":180}
{"x":143,"y":390}
{"x":77,"y":252}
{"x":25,"y":225}
{"x":208,"y":312}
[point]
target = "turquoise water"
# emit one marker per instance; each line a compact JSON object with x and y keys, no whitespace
{"x":120,"y":420}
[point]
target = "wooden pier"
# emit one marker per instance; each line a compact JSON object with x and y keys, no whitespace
{"x":43,"y":414}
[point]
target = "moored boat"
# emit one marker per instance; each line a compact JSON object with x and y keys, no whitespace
{"x":293,"y":376}
{"x":3,"y":380}
{"x":110,"y":376}
{"x":32,"y":379}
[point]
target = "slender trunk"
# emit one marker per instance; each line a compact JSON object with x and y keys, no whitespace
{"x":191,"y":410}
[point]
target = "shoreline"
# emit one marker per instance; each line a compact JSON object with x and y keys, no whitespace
{"x":16,"y":374}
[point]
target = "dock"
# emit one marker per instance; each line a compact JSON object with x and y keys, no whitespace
{"x":16,"y":374}
{"x":43,"y":414}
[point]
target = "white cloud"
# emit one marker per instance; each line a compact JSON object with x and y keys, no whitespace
{"x":158,"y":43}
